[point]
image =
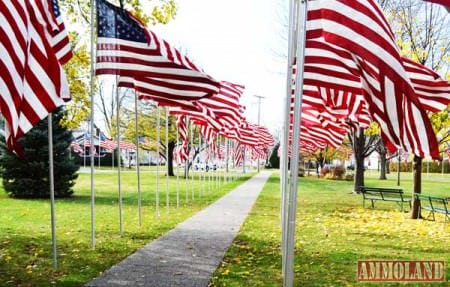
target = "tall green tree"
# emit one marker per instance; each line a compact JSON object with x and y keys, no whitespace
{"x":28,"y":177}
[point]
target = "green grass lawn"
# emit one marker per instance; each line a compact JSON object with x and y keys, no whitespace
{"x":333,"y":232}
{"x":25,"y":237}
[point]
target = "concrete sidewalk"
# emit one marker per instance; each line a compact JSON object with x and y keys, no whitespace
{"x":189,"y":254}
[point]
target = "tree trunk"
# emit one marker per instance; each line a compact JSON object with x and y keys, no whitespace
{"x":359,"y":142}
{"x":388,"y":167}
{"x":417,"y":173}
{"x":359,"y":173}
{"x":171,"y":148}
{"x":186,"y":169}
{"x":190,"y":164}
{"x":383,"y":164}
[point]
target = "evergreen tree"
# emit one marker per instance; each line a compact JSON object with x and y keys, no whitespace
{"x":274,"y":159}
{"x":28,"y":177}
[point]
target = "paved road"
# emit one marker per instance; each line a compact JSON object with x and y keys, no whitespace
{"x":189,"y":254}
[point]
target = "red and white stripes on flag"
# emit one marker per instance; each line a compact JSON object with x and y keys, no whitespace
{"x":108,"y":144}
{"x":32,"y":81}
{"x":360,"y":28}
{"x":183,"y":150}
{"x":224,"y":107}
{"x":145,"y":62}
{"x":126,"y":145}
{"x":76,"y":147}
{"x":432,"y":92}
{"x":59,"y":36}
{"x":238,"y":154}
{"x":50,"y":15}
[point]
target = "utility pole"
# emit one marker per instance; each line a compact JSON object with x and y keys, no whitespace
{"x":259,"y":114}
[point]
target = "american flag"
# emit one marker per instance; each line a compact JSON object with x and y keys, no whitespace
{"x":238,"y":154}
{"x":197,"y":117}
{"x":183,"y":149}
{"x":144,"y":61}
{"x":210,"y":137}
{"x":224,"y":107}
{"x":32,"y":81}
{"x":432,"y":92}
{"x":49,"y":15}
{"x":76,"y":147}
{"x":360,"y":28}
{"x":106,"y":143}
{"x":59,"y":36}
{"x":332,"y":87}
{"x":126,"y":145}
{"x":85,"y":141}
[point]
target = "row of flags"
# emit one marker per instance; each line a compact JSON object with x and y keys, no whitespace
{"x":33,"y":83}
{"x":159,"y":72}
{"x":354,"y":74}
{"x":81,"y":143}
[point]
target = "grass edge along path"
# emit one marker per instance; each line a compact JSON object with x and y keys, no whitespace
{"x":333,"y":232}
{"x":25,"y":239}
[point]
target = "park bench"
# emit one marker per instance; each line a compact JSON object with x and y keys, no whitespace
{"x":434,"y":204}
{"x":384,"y":194}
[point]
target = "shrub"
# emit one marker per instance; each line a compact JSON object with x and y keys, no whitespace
{"x":338,"y":172}
{"x":324,"y":171}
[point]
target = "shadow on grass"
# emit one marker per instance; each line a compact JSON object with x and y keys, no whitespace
{"x":32,"y":264}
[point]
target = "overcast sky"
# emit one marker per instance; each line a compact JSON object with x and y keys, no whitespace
{"x":237,"y":41}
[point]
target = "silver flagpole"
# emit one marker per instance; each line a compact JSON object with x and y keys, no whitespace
{"x":292,"y":207}
{"x":112,"y":155}
{"x":284,"y":177}
{"x":119,"y":178}
{"x":216,"y":157}
{"x":167,"y":159}
{"x":201,"y":175}
{"x":186,"y":181}
{"x":259,"y":117}
{"x":92,"y":123}
{"x":186,"y":167}
{"x":84,"y":150}
{"x":203,"y":183}
{"x":158,"y":139}
{"x":178,"y":172}
{"x":52,"y":189}
{"x":209,"y":173}
{"x":243,"y":159}
{"x":98,"y":156}
{"x":192,"y":165}
{"x":227,"y":158}
{"x":138,"y":163}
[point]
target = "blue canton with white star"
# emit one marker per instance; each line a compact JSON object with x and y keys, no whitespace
{"x":55,"y":8}
{"x":114,"y":22}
